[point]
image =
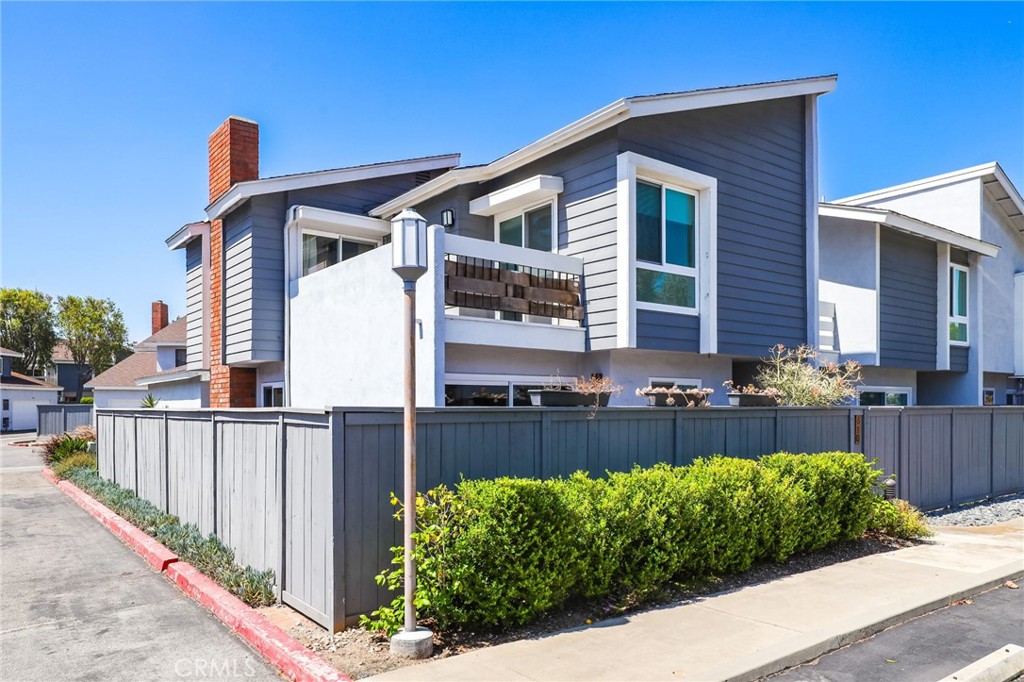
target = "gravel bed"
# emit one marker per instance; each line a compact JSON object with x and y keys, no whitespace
{"x":980,"y":513}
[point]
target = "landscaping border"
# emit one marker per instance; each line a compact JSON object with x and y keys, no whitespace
{"x":274,"y":644}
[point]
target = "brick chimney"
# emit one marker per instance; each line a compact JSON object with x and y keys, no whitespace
{"x":234,"y":149}
{"x":159,"y":316}
{"x":234,"y":154}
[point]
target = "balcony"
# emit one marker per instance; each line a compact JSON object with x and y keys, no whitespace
{"x":501,"y":295}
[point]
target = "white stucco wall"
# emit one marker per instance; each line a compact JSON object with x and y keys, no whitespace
{"x":848,"y":254}
{"x":118,"y":398}
{"x":21,"y":412}
{"x":181,"y":394}
{"x":890,"y":377}
{"x":955,"y":206}
{"x":998,"y":318}
{"x":347,"y":331}
{"x":165,"y":358}
{"x":633,"y":369}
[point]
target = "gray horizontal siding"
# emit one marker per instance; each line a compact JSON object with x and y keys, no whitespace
{"x":756,"y":151}
{"x":958,"y":357}
{"x":194,"y":303}
{"x":908,"y":301}
{"x":656,"y":330}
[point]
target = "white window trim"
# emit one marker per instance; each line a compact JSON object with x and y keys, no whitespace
{"x":330,"y":235}
{"x":960,"y":319}
{"x":500,"y":217}
{"x":675,"y":381}
{"x":629,"y":166}
{"x":271,"y":384}
{"x":537,"y":190}
{"x":506,"y":380}
{"x":909,"y":390}
{"x":664,"y":265}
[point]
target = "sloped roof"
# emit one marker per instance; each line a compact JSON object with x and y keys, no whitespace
{"x":174,"y":333}
{"x":123,"y":374}
{"x":61,"y":353}
{"x":10,"y":353}
{"x":19,"y":379}
{"x":611,"y":115}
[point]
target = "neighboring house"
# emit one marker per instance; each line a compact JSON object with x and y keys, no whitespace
{"x":20,"y":394}
{"x":924,"y":284}
{"x":666,"y":238}
{"x":64,"y":371}
{"x":157,"y":367}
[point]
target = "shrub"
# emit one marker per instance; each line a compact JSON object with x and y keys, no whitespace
{"x":75,"y":461}
{"x":207,"y":553}
{"x":504,"y":551}
{"x":898,"y":519}
{"x":86,"y":400}
{"x":61,"y":446}
{"x":801,"y":379}
{"x":84,"y":432}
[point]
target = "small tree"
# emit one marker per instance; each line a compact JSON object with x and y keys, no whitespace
{"x":802,"y":381}
{"x":27,"y":326}
{"x":94,"y":332}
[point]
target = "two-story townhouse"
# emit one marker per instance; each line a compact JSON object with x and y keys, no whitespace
{"x":62,"y":370}
{"x":157,"y":368}
{"x":667,"y":238}
{"x":924,"y":284}
{"x":20,"y":394}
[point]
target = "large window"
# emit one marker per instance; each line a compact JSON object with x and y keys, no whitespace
{"x":532,"y":229}
{"x":321,"y":251}
{"x":666,"y":244}
{"x":958,"y":333}
{"x":883,"y":396}
{"x":489,"y":391}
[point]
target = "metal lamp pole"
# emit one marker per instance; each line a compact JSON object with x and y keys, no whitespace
{"x":409,"y":251}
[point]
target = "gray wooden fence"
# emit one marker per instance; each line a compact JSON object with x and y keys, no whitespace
{"x":54,"y":419}
{"x":307,"y":493}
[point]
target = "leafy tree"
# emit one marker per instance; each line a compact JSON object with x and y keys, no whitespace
{"x":27,"y":326}
{"x":94,"y":332}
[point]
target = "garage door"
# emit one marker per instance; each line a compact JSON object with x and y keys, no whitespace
{"x":24,"y":416}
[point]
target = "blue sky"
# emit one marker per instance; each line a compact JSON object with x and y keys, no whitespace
{"x":106,"y":108}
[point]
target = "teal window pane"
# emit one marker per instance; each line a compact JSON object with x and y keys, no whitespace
{"x":511,"y":231}
{"x":648,"y":222}
{"x":665,"y":288}
{"x":961,"y":293}
{"x":958,"y":331}
{"x":679,"y":228}
{"x":538,"y":229}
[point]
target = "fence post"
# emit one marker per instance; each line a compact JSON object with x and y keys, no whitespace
{"x":903,"y":458}
{"x":282,"y":553}
{"x":545,"y":441}
{"x":135,"y":448}
{"x":677,"y":438}
{"x":64,"y":421}
{"x":213,"y":461}
{"x":337,"y":425}
{"x":991,"y":451}
{"x":167,"y":469}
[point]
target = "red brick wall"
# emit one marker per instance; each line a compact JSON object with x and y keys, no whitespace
{"x":234,"y":157}
{"x":159,"y":316}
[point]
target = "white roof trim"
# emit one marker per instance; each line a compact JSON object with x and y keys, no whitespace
{"x":184,"y":375}
{"x":521,"y":194}
{"x":606,"y":117}
{"x":115,"y":388}
{"x":244,"y":190}
{"x":187,"y":233}
{"x":11,"y":354}
{"x":10,"y":387}
{"x":954,"y":177}
{"x":904,"y":223}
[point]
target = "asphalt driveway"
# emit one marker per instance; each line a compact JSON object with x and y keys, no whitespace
{"x":76,"y":604}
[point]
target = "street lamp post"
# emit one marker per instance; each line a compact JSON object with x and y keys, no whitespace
{"x":409,"y":254}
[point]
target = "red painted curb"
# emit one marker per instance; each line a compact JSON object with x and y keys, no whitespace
{"x":50,"y":476}
{"x":158,"y":556}
{"x":283,"y":652}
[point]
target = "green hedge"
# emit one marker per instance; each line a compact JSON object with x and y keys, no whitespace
{"x":501,"y":552}
{"x":208,"y":554}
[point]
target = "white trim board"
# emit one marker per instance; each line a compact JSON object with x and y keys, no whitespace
{"x":244,"y":190}
{"x":604,"y":118}
{"x":537,"y":190}
{"x":630,"y":165}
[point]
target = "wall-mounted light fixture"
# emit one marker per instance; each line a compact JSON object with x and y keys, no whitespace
{"x":448,"y":217}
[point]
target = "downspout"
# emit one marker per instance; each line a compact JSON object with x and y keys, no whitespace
{"x":290,"y":221}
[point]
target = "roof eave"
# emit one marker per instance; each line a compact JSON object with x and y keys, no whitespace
{"x":186,"y":233}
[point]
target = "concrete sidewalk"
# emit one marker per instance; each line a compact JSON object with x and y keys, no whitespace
{"x":756,"y":630}
{"x":76,"y":604}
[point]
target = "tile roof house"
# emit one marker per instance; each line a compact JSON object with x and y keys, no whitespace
{"x":156,"y":367}
{"x":20,"y":394}
{"x":665,"y":238}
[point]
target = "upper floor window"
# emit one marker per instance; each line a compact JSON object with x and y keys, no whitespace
{"x":533,"y":229}
{"x":958,"y":332}
{"x":180,"y":357}
{"x":320,"y":251}
{"x":666,"y":244}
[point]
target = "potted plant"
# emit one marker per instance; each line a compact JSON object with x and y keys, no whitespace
{"x":592,"y":392}
{"x":675,"y":397}
{"x":751,"y":396}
